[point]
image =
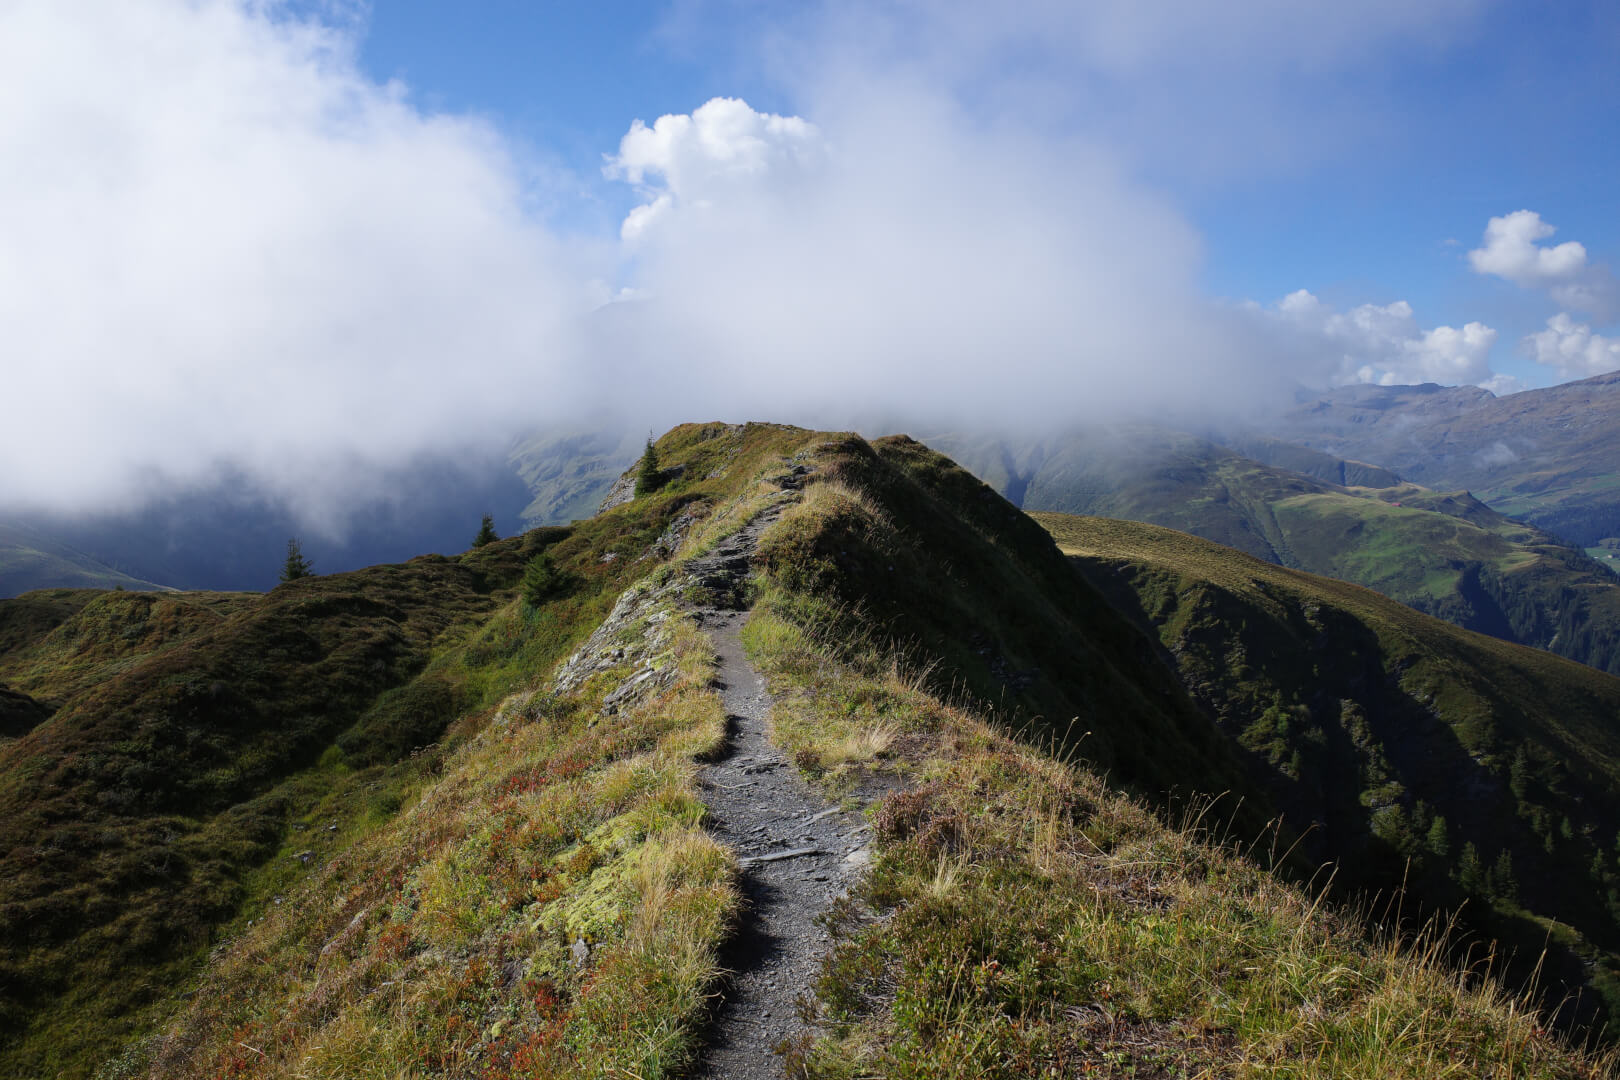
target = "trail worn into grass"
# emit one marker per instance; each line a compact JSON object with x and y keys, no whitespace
{"x":798,"y":851}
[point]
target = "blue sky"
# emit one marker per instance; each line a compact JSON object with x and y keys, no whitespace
{"x":304,"y":241}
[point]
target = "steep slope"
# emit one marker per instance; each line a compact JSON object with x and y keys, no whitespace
{"x":1448,"y":555}
{"x":32,"y":560}
{"x":1474,"y":769}
{"x":567,"y":472}
{"x":207,"y":752}
{"x":1546,"y":456}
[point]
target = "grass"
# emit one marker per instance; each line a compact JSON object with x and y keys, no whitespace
{"x":436,"y":866}
{"x":1373,"y":720}
{"x":1024,"y":919}
{"x":445,"y":942}
{"x":1445,"y":553}
{"x":201,"y":743}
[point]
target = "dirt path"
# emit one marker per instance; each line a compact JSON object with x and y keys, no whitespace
{"x":798,"y":851}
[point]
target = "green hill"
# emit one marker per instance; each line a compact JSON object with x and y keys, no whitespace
{"x":1373,"y":722}
{"x":30,"y":560}
{"x":372,"y":823}
{"x":198,"y":743}
{"x":1446,"y":554}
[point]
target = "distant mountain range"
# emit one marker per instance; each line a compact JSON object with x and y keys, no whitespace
{"x":1544,"y":578}
{"x":1550,"y":457}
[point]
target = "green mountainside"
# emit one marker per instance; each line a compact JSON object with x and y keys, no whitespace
{"x":1446,"y":554}
{"x":30,"y":560}
{"x":368,"y":824}
{"x":1545,"y":456}
{"x":568,"y":472}
{"x":1374,"y":722}
{"x":199,"y":744}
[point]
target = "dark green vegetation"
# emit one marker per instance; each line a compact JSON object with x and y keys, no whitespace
{"x":1448,"y":555}
{"x":1471,"y":769}
{"x":1545,"y":456}
{"x":649,"y":477}
{"x":30,"y":559}
{"x":201,"y":743}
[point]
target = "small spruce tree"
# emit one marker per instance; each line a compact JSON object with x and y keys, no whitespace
{"x":542,"y":580}
{"x":1470,"y":874}
{"x":1504,"y":885}
{"x":486,"y":532}
{"x":296,"y":565}
{"x":1439,"y":840}
{"x":649,"y":477}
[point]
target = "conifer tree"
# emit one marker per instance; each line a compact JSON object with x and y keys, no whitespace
{"x":1504,"y":885}
{"x":542,"y":580}
{"x":648,"y":476}
{"x":486,"y":532}
{"x":296,"y":565}
{"x":1470,"y":874}
{"x":1439,"y":840}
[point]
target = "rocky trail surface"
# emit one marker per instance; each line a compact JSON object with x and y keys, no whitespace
{"x":798,"y":852}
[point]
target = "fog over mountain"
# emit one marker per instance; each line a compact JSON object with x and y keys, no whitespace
{"x":233,"y":253}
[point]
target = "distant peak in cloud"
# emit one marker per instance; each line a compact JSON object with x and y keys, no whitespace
{"x":1512,"y":251}
{"x":1572,"y":349}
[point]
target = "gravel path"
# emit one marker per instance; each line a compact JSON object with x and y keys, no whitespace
{"x":798,"y":852}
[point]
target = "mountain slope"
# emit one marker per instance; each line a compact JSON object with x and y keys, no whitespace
{"x":1546,"y":456}
{"x":32,"y":560}
{"x":193,"y":738}
{"x":549,"y":908}
{"x":1375,"y":722}
{"x":532,"y":893}
{"x":1448,"y":555}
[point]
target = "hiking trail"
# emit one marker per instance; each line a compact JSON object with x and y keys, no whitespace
{"x":798,"y":852}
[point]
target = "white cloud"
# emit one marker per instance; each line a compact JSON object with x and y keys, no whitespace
{"x":1384,"y":344}
{"x":916,"y":261}
{"x":1572,"y":349}
{"x":723,"y":149}
{"x":1512,"y":251}
{"x":227,"y":248}
{"x":224,"y":246}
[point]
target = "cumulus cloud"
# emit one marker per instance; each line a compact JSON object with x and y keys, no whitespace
{"x":913,"y":260}
{"x":722,"y":149}
{"x":1384,"y":344}
{"x":1512,"y":250}
{"x":1572,"y":349}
